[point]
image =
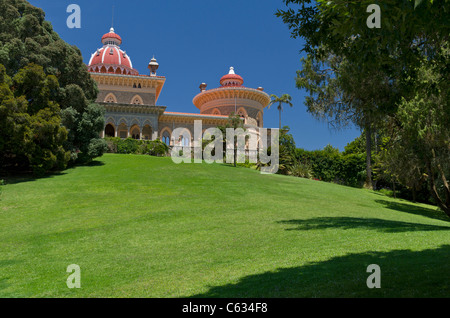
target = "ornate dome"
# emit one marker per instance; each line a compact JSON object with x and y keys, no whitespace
{"x":233,"y":97}
{"x":110,"y":58}
{"x":111,"y":37}
{"x":231,"y":79}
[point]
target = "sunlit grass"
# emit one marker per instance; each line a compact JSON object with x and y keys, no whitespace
{"x":141,"y":226}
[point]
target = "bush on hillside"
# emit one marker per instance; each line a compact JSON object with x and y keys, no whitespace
{"x":331,"y":165}
{"x":133,"y":146}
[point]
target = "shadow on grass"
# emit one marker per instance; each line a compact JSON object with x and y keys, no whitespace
{"x":404,"y":273}
{"x":414,"y":209}
{"x":94,"y":163}
{"x":19,"y":177}
{"x":345,"y":223}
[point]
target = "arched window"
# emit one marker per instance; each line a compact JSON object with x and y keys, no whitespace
{"x":166,"y":138}
{"x":243,"y":114}
{"x":110,"y":98}
{"x":137,"y":100}
{"x":109,"y":131}
{"x":184,"y":141}
{"x":122,"y":131}
{"x":147,"y":132}
{"x":184,"y":138}
{"x":135,"y":132}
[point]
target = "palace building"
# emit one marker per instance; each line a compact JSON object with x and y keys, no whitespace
{"x":130,"y":99}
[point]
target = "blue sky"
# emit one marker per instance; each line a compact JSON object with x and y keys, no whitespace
{"x":197,"y":41}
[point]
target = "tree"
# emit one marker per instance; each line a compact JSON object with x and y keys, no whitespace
{"x":396,"y":164}
{"x":342,"y":95}
{"x":286,"y":152}
{"x":421,"y":132}
{"x":31,"y":134}
{"x":340,"y":26}
{"x":26,"y":38}
{"x":388,"y":57}
{"x":283,"y":99}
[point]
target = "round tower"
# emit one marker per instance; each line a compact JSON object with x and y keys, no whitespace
{"x":232,"y":97}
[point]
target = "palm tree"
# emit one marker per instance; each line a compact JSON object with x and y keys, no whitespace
{"x":283,"y":99}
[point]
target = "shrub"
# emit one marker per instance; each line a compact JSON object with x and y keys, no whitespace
{"x":133,"y":146}
{"x":332,"y":166}
{"x":128,"y":146}
{"x":112,"y":143}
{"x":158,"y":148}
{"x":301,"y":170}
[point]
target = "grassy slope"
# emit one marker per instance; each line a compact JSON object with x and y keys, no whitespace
{"x":144,"y":227}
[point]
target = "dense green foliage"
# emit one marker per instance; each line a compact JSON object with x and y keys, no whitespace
{"x":391,"y":81}
{"x":329,"y":164}
{"x":418,"y":146}
{"x":349,"y":167}
{"x":48,"y":112}
{"x":141,"y":226}
{"x":340,"y":26}
{"x":134,"y":146}
{"x":31,"y":134}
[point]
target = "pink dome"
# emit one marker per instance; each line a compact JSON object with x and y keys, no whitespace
{"x":112,"y":35}
{"x":231,"y":79}
{"x":110,"y":58}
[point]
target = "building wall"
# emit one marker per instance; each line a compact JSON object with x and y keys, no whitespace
{"x":126,"y":97}
{"x":170,"y":126}
{"x":130,"y":119}
{"x":252,"y":111}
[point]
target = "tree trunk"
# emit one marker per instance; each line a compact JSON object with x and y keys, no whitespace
{"x":445,"y":206}
{"x":368,"y":132}
{"x":414,"y":194}
{"x":235,"y":150}
{"x":279,"y":109}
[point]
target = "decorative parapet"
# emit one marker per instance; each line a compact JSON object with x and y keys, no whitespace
{"x":133,"y":108}
{"x":174,"y":117}
{"x":231,"y":92}
{"x":144,"y":81}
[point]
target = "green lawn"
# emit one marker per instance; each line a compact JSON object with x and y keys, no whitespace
{"x":140,"y":226}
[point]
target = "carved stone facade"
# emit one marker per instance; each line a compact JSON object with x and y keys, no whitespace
{"x":131,"y":99}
